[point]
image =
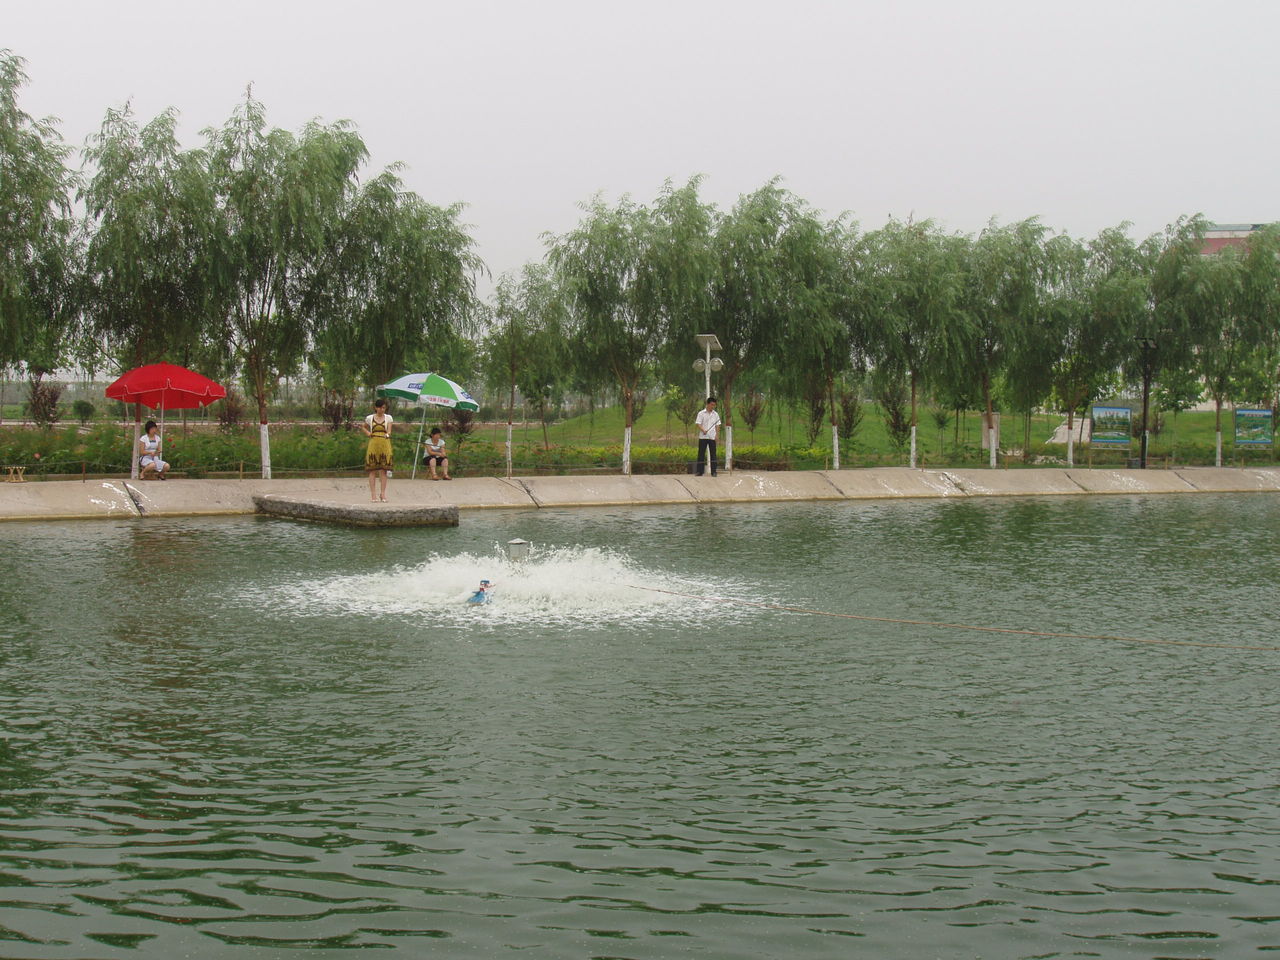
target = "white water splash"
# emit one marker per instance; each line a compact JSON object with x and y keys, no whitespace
{"x":561,"y":585}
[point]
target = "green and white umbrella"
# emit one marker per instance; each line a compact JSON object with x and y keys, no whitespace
{"x":429,"y":389}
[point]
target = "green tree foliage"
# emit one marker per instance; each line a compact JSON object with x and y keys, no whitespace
{"x":682,"y":265}
{"x":264,"y":251}
{"x":766,"y":248}
{"x":40,"y":245}
{"x":915,"y":275}
{"x":150,"y":210}
{"x":1176,"y":262}
{"x":527,"y":315}
{"x":1001,"y":310}
{"x":829,"y":331}
{"x":918,"y":280}
{"x":526,"y":348}
{"x":395,"y":274}
{"x":627,"y":273}
{"x":1260,"y":306}
{"x":280,"y":201}
{"x":1208,"y":304}
{"x":612,"y":321}
{"x":1096,"y":294}
{"x":83,"y":410}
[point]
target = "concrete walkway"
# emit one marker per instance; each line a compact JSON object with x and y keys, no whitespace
{"x":78,"y":500}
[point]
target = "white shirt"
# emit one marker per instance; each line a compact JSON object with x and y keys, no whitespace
{"x":708,"y":422}
{"x":386,"y":418}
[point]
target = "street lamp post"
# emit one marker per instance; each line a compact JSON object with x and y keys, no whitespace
{"x":709,"y":342}
{"x":1147,"y":351}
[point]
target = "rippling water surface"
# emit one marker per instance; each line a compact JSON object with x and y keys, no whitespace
{"x":244,"y":738}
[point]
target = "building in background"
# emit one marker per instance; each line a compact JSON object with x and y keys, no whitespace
{"x":1221,"y":235}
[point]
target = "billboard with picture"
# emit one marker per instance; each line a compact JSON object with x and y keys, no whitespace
{"x":1254,"y":428}
{"x":1112,"y":425}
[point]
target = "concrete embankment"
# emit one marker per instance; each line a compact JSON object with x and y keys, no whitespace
{"x":77,"y":500}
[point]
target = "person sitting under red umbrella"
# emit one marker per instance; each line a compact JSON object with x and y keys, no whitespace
{"x":149,"y":453}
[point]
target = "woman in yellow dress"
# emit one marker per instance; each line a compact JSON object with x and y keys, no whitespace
{"x":377,"y":458}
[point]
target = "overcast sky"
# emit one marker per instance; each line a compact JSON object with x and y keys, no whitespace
{"x":1084,"y":113}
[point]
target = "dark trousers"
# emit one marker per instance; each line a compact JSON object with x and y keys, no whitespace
{"x":703,"y":447}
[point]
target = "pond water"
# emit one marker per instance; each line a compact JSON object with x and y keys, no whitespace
{"x":250,"y":738}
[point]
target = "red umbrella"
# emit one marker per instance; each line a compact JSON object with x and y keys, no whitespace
{"x":165,"y":386}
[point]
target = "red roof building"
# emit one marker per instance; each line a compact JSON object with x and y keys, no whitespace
{"x":1221,"y":235}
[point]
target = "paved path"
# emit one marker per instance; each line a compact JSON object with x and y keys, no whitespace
{"x":129,"y":499}
{"x":1082,"y":428}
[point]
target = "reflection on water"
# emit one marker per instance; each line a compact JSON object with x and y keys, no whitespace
{"x":243,"y":738}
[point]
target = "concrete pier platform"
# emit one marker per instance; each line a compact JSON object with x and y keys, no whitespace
{"x":356,"y":514}
{"x":131,"y":499}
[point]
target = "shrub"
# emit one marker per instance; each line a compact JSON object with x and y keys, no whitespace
{"x":42,"y":403}
{"x":336,"y":409}
{"x":231,"y":410}
{"x":460,"y":423}
{"x":83,"y":410}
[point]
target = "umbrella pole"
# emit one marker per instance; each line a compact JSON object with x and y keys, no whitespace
{"x":160,"y":445}
{"x":416,"y":450}
{"x":134,"y":471}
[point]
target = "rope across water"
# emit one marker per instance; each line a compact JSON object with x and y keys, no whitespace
{"x":953,"y":626}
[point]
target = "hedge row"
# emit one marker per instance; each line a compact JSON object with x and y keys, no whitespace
{"x":106,"y":450}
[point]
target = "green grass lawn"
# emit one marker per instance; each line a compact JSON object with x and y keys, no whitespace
{"x":777,"y":428}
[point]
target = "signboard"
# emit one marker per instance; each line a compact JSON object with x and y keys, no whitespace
{"x":1112,"y":425}
{"x":1254,"y":428}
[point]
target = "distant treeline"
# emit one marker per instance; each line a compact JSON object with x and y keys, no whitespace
{"x":263,"y":254}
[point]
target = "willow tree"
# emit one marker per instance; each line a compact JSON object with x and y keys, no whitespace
{"x":150,"y":208}
{"x":39,"y":241}
{"x":1260,"y":305}
{"x":1001,"y":299}
{"x":398,"y":273}
{"x":1096,"y":292}
{"x":526,"y":347}
{"x":621,"y":272}
{"x":280,"y":200}
{"x":916,"y":272}
{"x":1210,"y":305}
{"x":150,"y":211}
{"x":770,"y":250}
{"x":600,"y":264}
{"x":1164,"y":338}
{"x":682,"y":261}
{"x":827,"y":335}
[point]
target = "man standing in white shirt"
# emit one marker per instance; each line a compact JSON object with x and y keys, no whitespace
{"x":708,"y":422}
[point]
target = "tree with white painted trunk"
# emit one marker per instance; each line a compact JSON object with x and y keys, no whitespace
{"x":280,"y":201}
{"x":627,"y":271}
{"x":1001,"y":295}
{"x":527,"y":348}
{"x":769,"y":278}
{"x":915,"y":276}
